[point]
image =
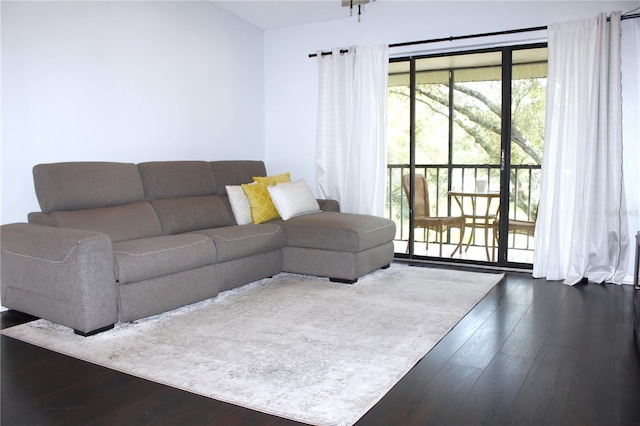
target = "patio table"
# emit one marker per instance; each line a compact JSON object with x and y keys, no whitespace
{"x":479,"y":210}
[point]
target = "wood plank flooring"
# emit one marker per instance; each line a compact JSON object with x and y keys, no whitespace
{"x":531,"y":352}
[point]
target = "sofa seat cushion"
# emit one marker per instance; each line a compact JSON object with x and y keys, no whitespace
{"x":336,"y":231}
{"x":146,"y":258}
{"x":235,"y":242}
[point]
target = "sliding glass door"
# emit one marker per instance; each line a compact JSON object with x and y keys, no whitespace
{"x":457,"y":162}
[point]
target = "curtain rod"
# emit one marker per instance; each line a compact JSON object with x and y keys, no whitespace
{"x":451,"y":38}
{"x":464,"y":37}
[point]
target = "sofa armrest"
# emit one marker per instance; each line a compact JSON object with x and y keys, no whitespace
{"x":63,"y":275}
{"x":329,"y":205}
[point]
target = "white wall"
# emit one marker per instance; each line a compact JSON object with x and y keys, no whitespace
{"x":124,"y":81}
{"x":291,"y":76}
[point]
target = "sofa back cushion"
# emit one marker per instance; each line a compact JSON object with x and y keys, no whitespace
{"x":120,"y":223}
{"x":235,"y":173}
{"x":174,"y":179}
{"x":183,"y":196}
{"x":86,"y":185}
{"x":178,"y":215}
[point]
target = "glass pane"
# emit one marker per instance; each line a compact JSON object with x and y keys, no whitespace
{"x":478,"y":112}
{"x":477,"y":133}
{"x":432,"y":157}
{"x":528,"y":94}
{"x":432,"y":116}
{"x":398,"y":150}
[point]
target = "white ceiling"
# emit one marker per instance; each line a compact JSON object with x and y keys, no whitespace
{"x":273,"y":14}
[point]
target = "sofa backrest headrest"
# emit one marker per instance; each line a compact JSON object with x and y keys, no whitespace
{"x":125,"y":222}
{"x":235,"y":173}
{"x":176,"y":179}
{"x":86,"y":185}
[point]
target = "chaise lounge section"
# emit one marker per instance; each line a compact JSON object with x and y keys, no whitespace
{"x":122,"y":241}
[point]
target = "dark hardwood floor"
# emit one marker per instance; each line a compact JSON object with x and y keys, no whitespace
{"x":531,"y":352}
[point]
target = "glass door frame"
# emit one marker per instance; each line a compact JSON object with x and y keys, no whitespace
{"x":505,"y":152}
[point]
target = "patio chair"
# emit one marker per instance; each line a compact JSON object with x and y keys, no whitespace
{"x":523,"y":227}
{"x":422,"y":213}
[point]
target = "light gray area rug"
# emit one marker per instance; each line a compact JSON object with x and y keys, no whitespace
{"x":294,"y":346}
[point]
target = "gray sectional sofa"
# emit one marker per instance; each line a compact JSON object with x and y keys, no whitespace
{"x":122,"y":241}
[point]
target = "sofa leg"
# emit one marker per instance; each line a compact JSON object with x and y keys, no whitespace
{"x":343,"y":281}
{"x":387,"y":266}
{"x":93,"y":332}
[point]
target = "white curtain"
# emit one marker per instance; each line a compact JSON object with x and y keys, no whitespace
{"x":631,"y":127}
{"x":581,"y":230}
{"x":351,"y":135}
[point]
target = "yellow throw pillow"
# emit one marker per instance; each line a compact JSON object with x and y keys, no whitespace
{"x":262,"y":208}
{"x":273,"y":180}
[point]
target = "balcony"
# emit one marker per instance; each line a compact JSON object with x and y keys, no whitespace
{"x":442,"y":178}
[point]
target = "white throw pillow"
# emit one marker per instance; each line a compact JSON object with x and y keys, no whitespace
{"x":293,"y":199}
{"x":239,"y":204}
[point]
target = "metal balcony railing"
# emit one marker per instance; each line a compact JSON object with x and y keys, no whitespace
{"x":441,"y":178}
